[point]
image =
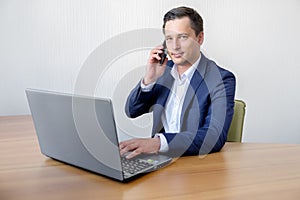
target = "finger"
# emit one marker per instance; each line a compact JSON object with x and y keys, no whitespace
{"x":155,"y":51}
{"x":133,"y":154}
{"x":124,"y":151}
{"x":125,"y":143}
{"x":121,"y":145}
{"x":129,"y":147}
{"x":156,"y":55}
{"x":154,"y":59}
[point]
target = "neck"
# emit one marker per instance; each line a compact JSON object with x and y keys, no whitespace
{"x":185,"y":66}
{"x":182,"y":68}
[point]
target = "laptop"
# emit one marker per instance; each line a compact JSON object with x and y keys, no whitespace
{"x":81,"y":132}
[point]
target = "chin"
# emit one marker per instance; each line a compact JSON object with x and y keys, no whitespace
{"x":179,"y":61}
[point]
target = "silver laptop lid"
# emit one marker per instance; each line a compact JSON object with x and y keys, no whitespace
{"x":77,"y":130}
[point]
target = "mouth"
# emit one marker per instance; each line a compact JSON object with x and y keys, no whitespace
{"x":177,"y":54}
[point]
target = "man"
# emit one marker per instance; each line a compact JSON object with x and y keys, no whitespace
{"x":191,"y":98}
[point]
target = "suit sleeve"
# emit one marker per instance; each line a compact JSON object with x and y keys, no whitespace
{"x":139,"y":102}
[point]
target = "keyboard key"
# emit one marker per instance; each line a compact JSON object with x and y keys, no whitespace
{"x":133,"y":166}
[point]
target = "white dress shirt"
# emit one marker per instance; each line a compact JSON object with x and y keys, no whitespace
{"x":172,"y":112}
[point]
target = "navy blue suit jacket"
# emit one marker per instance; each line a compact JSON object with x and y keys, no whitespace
{"x":206,"y":113}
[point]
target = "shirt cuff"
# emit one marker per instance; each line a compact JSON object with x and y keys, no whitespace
{"x":147,"y":88}
{"x":164,"y":147}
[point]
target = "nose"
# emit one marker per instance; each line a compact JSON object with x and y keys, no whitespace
{"x":176,"y":44}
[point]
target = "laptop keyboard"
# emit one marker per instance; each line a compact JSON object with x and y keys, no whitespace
{"x":133,"y":166}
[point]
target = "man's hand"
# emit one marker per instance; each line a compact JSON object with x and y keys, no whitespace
{"x":154,"y":70}
{"x":138,"y":146}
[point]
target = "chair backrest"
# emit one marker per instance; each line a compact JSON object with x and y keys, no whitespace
{"x":236,"y":128}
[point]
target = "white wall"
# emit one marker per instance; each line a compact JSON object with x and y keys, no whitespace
{"x":44,"y":44}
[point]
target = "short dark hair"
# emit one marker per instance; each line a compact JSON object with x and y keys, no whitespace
{"x":179,"y":12}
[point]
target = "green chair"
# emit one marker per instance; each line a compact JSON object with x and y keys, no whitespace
{"x":236,"y":128}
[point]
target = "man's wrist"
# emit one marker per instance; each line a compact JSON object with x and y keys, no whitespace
{"x":164,"y":147}
{"x":146,"y":81}
{"x":157,"y":143}
{"x":146,"y":88}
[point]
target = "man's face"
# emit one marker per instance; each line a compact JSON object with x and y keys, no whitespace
{"x":182,"y":43}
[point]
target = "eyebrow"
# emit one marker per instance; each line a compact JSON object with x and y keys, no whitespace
{"x":179,"y":34}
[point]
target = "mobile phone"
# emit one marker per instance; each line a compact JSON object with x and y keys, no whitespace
{"x":163,"y":55}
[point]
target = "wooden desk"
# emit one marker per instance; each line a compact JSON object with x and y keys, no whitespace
{"x":240,"y":171}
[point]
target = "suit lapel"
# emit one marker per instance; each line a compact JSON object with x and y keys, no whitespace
{"x":195,"y":82}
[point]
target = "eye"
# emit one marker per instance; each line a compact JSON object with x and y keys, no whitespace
{"x":183,"y":37}
{"x":168,"y":39}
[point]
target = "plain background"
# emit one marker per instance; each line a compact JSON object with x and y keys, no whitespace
{"x":43,"y":44}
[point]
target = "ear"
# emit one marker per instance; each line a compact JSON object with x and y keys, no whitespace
{"x":200,"y":37}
